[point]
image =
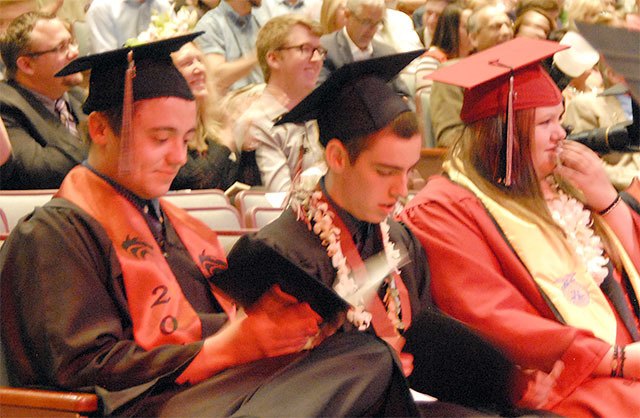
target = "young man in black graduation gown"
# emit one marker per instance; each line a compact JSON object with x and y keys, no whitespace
{"x":107,"y":287}
{"x":336,"y":222}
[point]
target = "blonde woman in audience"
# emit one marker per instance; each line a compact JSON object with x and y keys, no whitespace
{"x":537,"y":252}
{"x":632,"y":17}
{"x":588,"y":11}
{"x":211,"y":163}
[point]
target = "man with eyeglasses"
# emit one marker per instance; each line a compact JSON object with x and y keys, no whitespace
{"x":290,"y":55}
{"x":355,"y":42}
{"x":42,"y":113}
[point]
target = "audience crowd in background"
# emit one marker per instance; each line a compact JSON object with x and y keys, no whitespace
{"x":252,"y":61}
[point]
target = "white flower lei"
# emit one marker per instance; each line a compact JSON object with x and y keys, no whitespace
{"x":572,"y":217}
{"x":306,"y":202}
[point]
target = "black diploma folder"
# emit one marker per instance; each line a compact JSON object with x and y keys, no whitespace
{"x":254,"y":267}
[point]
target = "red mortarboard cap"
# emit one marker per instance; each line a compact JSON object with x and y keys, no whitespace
{"x":355,"y":100}
{"x":485,"y":77}
{"x":501,"y":80}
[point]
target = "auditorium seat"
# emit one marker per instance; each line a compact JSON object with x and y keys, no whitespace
{"x":197,"y":198}
{"x":246,"y":200}
{"x":260,"y":216}
{"x":18,"y":203}
{"x":218,"y":218}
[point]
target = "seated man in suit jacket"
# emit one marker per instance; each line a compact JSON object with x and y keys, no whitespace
{"x":355,"y":41}
{"x":41,"y":112}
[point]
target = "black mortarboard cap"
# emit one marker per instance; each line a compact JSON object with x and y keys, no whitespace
{"x":155,"y":74}
{"x":255,"y":266}
{"x":355,"y":100}
{"x":620,"y":48}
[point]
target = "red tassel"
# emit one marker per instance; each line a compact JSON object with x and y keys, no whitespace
{"x":510,"y":139}
{"x":125,"y":164}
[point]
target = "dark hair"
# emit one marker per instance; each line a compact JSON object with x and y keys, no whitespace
{"x":114,"y":118}
{"x":16,"y":39}
{"x":446,"y":35}
{"x":405,"y":125}
{"x":520,"y":20}
{"x":546,"y":6}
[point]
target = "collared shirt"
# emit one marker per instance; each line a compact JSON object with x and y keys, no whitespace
{"x":50,"y":104}
{"x":231,"y":35}
{"x":363,"y":232}
{"x":357,"y":53}
{"x":112,"y":22}
{"x":278,"y":147}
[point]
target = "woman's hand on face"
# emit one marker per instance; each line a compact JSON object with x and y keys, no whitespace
{"x":583,"y":169}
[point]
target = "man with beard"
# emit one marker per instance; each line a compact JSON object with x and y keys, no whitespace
{"x":41,"y":112}
{"x":290,"y":55}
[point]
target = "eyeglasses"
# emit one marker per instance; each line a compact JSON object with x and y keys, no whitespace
{"x":307,"y":51}
{"x":62,"y":48}
{"x":368,"y":22}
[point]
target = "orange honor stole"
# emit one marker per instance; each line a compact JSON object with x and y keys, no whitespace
{"x":160,"y":312}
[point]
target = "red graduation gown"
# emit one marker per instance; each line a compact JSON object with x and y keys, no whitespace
{"x":478,"y":279}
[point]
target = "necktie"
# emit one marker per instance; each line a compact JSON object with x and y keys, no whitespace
{"x":67,"y":119}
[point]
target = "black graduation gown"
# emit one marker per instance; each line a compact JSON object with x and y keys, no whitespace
{"x":451,"y":362}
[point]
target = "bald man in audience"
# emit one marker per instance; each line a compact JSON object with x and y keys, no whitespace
{"x":355,"y":42}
